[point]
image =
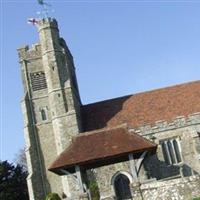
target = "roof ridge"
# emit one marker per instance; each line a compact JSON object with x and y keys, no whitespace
{"x":148,"y":91}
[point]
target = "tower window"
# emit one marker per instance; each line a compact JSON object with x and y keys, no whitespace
{"x":197,"y":143}
{"x":171,"y":151}
{"x":43,"y":113}
{"x":38,"y":81}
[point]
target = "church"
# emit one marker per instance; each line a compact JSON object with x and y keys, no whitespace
{"x":144,"y":146}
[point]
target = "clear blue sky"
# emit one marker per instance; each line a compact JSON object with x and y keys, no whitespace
{"x":119,"y":48}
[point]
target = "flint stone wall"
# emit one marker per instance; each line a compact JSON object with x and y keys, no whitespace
{"x":180,"y":181}
{"x":176,"y":189}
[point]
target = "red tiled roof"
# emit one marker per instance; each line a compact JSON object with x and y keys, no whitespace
{"x":94,"y":148}
{"x":143,"y":108}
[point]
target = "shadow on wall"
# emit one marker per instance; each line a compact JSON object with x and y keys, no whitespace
{"x":158,"y":169}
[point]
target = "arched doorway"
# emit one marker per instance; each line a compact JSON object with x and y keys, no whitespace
{"x":122,"y":187}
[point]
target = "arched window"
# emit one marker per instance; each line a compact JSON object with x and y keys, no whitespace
{"x":177,"y":151}
{"x":165,"y":153}
{"x":43,"y":114}
{"x":122,"y":187}
{"x":171,"y":151}
{"x":197,"y":143}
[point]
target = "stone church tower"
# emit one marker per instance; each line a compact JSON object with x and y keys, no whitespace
{"x":51,"y":108}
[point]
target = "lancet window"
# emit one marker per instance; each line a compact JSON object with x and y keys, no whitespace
{"x":171,"y":151}
{"x":43,"y":113}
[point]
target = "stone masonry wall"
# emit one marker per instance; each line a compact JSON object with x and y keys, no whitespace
{"x":39,"y":137}
{"x":50,"y":65}
{"x":104,"y":177}
{"x":157,"y":179}
{"x":175,"y":189}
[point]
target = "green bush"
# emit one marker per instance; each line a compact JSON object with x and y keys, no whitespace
{"x":52,"y":196}
{"x":94,"y":190}
{"x":198,"y":198}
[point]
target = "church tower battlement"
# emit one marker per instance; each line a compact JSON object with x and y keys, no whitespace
{"x":51,"y":107}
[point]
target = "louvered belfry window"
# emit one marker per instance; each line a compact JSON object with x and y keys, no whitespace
{"x":38,"y":81}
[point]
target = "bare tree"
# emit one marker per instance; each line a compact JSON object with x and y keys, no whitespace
{"x":21,"y":159}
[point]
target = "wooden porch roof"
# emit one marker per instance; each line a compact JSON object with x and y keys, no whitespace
{"x":98,"y":148}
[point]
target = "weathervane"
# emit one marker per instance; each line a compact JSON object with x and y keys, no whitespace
{"x":46,"y":9}
{"x":44,"y":13}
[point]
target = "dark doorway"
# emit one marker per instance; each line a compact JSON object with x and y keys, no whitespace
{"x":122,"y":188}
